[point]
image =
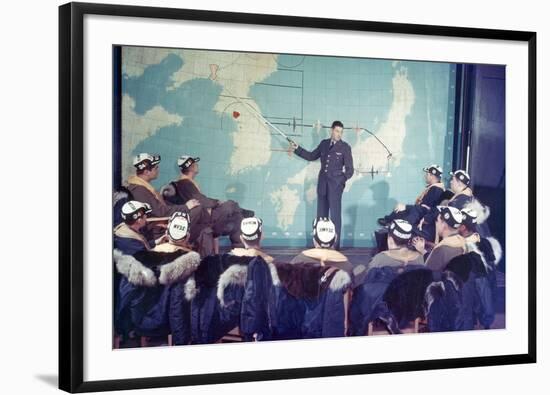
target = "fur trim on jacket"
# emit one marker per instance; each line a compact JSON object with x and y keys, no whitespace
{"x":436,"y":290}
{"x":497,"y":249}
{"x":136,"y":273}
{"x":177,"y":270}
{"x":180,"y":268}
{"x":235,"y":274}
{"x":190,"y":288}
{"x":340,"y":281}
{"x":483,"y":212}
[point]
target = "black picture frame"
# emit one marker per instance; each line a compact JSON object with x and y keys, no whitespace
{"x":71,"y":194}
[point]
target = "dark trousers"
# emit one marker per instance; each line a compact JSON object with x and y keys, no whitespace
{"x":412,"y":214}
{"x":329,"y":204}
{"x":226,"y":221}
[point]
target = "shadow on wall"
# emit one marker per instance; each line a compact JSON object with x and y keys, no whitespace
{"x":310,"y":214}
{"x":368,"y":214}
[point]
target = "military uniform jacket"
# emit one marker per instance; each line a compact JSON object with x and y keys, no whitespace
{"x":460,"y":200}
{"x":431,"y":195}
{"x":336,"y":163}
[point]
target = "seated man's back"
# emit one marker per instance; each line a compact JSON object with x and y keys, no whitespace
{"x":452,"y":244}
{"x":399,"y":254}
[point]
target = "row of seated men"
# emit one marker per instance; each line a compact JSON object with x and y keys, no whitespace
{"x":210,"y":218}
{"x":164,"y":284}
{"x":422,"y":214}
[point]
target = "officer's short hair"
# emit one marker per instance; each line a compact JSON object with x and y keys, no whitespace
{"x":337,"y":123}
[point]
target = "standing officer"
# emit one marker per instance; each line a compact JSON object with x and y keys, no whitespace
{"x":336,"y":169}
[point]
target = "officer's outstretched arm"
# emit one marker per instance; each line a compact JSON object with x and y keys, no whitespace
{"x":305,"y":154}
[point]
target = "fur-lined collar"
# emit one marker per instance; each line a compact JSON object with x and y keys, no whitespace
{"x":483,"y":212}
{"x":340,"y":281}
{"x":119,"y":195}
{"x":325,"y":255}
{"x":180,"y":268}
{"x":141,"y":182}
{"x":236,"y":275}
{"x":402,"y":254}
{"x":497,"y":249}
{"x":472,"y":245}
{"x":124,"y":231}
{"x":436,"y":290}
{"x":138,"y":274}
{"x":251,"y":252}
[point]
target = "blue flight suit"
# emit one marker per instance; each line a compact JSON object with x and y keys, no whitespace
{"x":413,"y":213}
{"x":336,"y":169}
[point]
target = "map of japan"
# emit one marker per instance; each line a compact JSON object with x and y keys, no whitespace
{"x":212,"y":104}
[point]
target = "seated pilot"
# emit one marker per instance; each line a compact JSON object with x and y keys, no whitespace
{"x":130,"y":240}
{"x":399,"y":254}
{"x":460,"y":185}
{"x":180,"y":237}
{"x":449,"y":243}
{"x":488,"y":248}
{"x":153,"y":286}
{"x":131,"y":235}
{"x":177,"y":232}
{"x":428,"y":198}
{"x":481,"y":259}
{"x":147,"y":169}
{"x":241,"y":282}
{"x":251,"y":237}
{"x":312,"y":293}
{"x":368,"y":304}
{"x":141,"y":189}
{"x":225,"y":216}
{"x":462,"y":195}
{"x":235,"y":263}
{"x":324,"y":239}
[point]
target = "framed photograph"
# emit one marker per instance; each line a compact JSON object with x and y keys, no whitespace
{"x":249,"y":197}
